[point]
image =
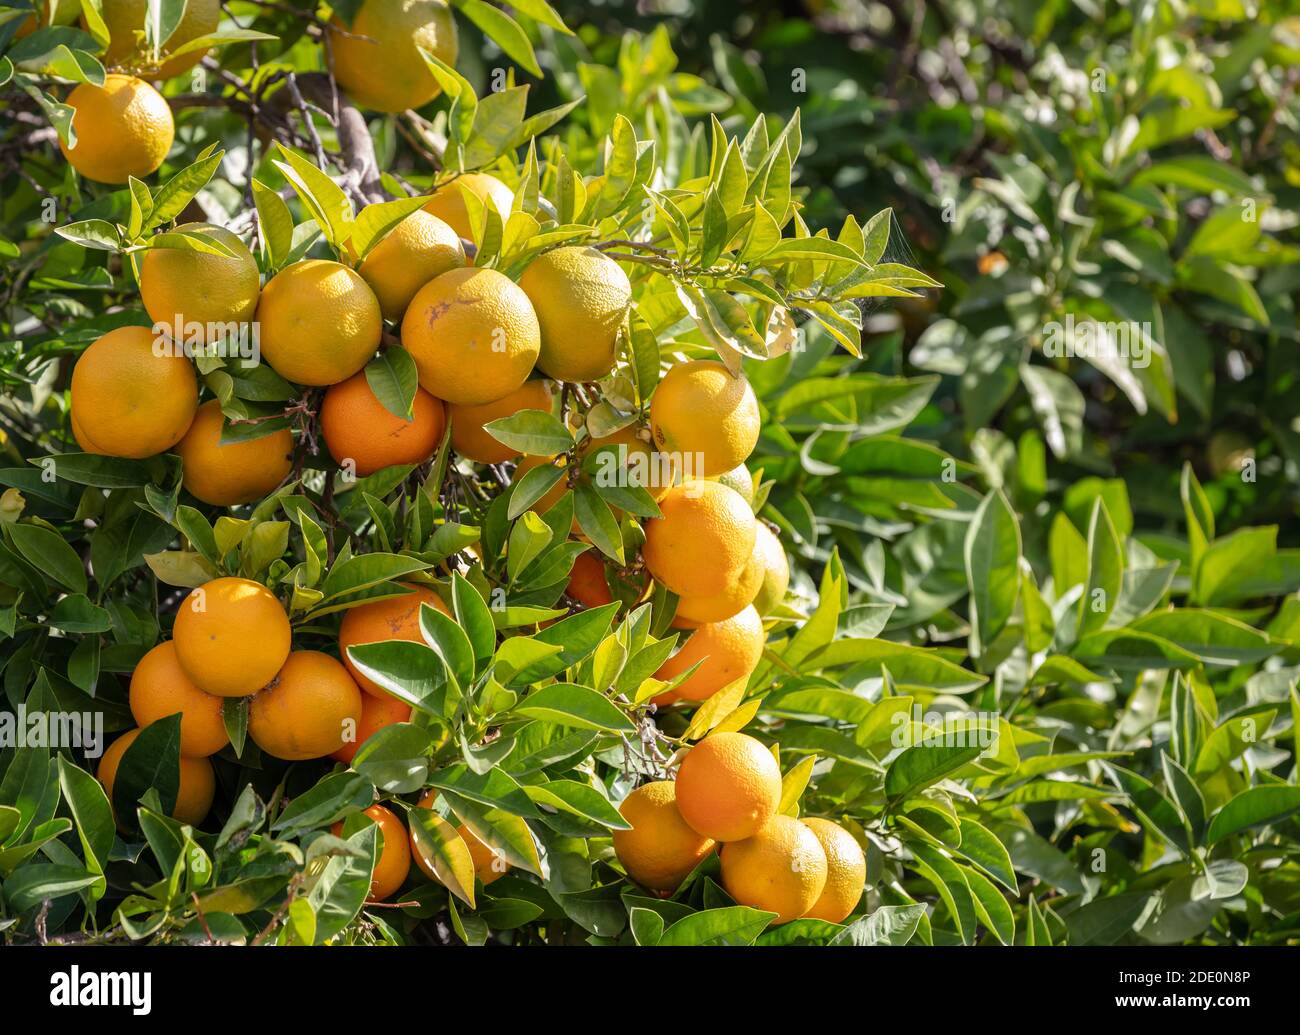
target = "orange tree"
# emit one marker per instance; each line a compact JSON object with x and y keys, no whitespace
{"x":470,"y":518}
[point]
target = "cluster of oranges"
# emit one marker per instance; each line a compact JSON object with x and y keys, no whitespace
{"x":728,"y":792}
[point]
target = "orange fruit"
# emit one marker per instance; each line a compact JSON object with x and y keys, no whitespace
{"x":629,"y":461}
{"x":846,"y":871}
{"x":359,"y":428}
{"x":160,"y":687}
{"x":776,"y":570}
{"x":740,"y":479}
{"x":703,"y":540}
{"x":587,"y":584}
{"x":660,"y":850}
{"x":415,"y":251}
{"x":130,"y":397}
{"x":231,"y":636}
{"x":188,"y":293}
{"x":448,"y":201}
{"x":125,"y":19}
{"x":467,"y":435}
{"x":377,"y":59}
{"x":705,"y":415}
{"x":123,"y":129}
{"x":394,"y":618}
{"x":488,"y":866}
{"x":320,"y":322}
{"x":780,"y":869}
{"x":729,"y":650}
{"x":473,"y":335}
{"x":582,"y":297}
{"x":728,"y":786}
{"x":376,"y":713}
{"x":237,"y":472}
{"x":305,"y":710}
{"x":394,"y":853}
{"x":197,"y":788}
{"x":731,"y":599}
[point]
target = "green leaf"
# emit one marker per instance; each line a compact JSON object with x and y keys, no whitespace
{"x":576,"y":707}
{"x":394,"y":379}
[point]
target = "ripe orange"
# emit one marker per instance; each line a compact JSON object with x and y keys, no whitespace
{"x":730,"y":600}
{"x":197,"y":788}
{"x":633,"y":461}
{"x":238,"y":472}
{"x":706,"y":415}
{"x":125,"y":20}
{"x":587,"y":584}
{"x":160,"y":687}
{"x":305,"y":711}
{"x":660,"y":850}
{"x":320,"y":322}
{"x":780,"y":869}
{"x":776,"y":570}
{"x":473,"y":335}
{"x":467,"y":435}
{"x":394,"y":853}
{"x":582,"y":297}
{"x":129,"y":398}
{"x":728,"y":786}
{"x":376,"y":713}
{"x":488,"y":866}
{"x":232,"y":636}
{"x":730,"y":650}
{"x":123,"y":129}
{"x":359,"y":428}
{"x":846,"y":871}
{"x":703,"y":540}
{"x":377,"y":60}
{"x":448,"y":201}
{"x":181,"y":288}
{"x":415,"y":251}
{"x":394,"y":618}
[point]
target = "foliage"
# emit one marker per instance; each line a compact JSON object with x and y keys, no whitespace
{"x":1040,"y":650}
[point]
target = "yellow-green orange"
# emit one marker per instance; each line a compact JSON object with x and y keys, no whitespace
{"x":160,"y":687}
{"x":232,"y":636}
{"x":661,"y":849}
{"x":123,"y":129}
{"x":418,"y":249}
{"x":130,"y":396}
{"x":703,"y":540}
{"x":125,"y":20}
{"x":320,"y":322}
{"x":377,"y":59}
{"x":473,"y":335}
{"x":780,"y":869}
{"x":776,"y":570}
{"x":468,"y":436}
{"x":197,"y":782}
{"x":706,"y":415}
{"x":728,"y":786}
{"x":194,"y":293}
{"x":582,"y":297}
{"x":237,"y":472}
{"x":448,"y":201}
{"x":846,"y":871}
